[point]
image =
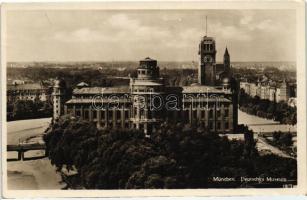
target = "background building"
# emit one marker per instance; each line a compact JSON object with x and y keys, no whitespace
{"x":268,"y":90}
{"x":27,"y":91}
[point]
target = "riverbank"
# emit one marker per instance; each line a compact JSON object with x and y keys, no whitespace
{"x":34,"y":174}
{"x":258,"y":124}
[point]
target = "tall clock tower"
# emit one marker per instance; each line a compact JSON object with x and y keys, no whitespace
{"x":206,"y":69}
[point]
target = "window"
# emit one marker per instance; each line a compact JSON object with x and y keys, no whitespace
{"x":226,"y":112}
{"x":203,"y":114}
{"x":218,"y":125}
{"x":141,"y":126}
{"x":118,"y":114}
{"x":210,"y":113}
{"x":126,"y":114}
{"x":94,"y":114}
{"x":126,"y":125}
{"x":211,"y":125}
{"x":103,"y":114}
{"x":226,"y":125}
{"x":218,"y":113}
{"x":86,"y":114}
{"x":78,"y":113}
{"x":110,"y":114}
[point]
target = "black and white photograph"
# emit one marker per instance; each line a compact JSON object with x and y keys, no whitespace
{"x":148,"y":98}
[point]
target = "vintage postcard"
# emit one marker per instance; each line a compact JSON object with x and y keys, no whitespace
{"x":153,"y":99}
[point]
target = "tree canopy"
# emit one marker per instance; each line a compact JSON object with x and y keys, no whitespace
{"x":175,"y":156}
{"x":280,"y":111}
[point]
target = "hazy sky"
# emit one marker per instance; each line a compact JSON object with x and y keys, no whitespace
{"x":250,"y":35}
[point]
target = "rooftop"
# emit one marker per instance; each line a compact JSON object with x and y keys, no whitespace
{"x":102,"y":90}
{"x":91,"y":101}
{"x":148,"y":59}
{"x":203,"y":89}
{"x":27,"y":86}
{"x":82,"y":84}
{"x":140,"y":82}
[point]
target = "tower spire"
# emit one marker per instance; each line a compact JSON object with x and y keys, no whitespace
{"x":206,"y":25}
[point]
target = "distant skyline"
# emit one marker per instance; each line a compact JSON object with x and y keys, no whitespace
{"x":165,"y":35}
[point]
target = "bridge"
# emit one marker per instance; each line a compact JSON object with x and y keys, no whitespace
{"x":22,"y":148}
{"x":264,"y":124}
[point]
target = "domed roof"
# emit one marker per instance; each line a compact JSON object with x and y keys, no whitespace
{"x":148,"y":59}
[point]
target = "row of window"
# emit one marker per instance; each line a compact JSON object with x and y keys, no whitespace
{"x":86,"y":114}
{"x":144,"y":90}
{"x":144,"y":72}
{"x":141,"y":126}
{"x":118,"y":117}
{"x":141,"y":112}
{"x":204,"y":104}
{"x":208,"y":47}
{"x":27,"y":97}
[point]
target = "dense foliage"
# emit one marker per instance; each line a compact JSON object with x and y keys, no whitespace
{"x":282,"y":139}
{"x":28,"y":109}
{"x":176,"y":156}
{"x":280,"y":111}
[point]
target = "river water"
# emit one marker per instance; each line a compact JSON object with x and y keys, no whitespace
{"x":258,"y":124}
{"x":40,"y":174}
{"x":33,"y":174}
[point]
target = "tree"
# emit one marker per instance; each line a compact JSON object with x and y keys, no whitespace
{"x":286,"y":139}
{"x":276,"y":136}
{"x":24,"y":108}
{"x":175,"y":156}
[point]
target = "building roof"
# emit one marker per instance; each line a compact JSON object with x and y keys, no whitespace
{"x":82,"y":84}
{"x":102,"y":90}
{"x":208,"y":38}
{"x":139,"y":82}
{"x":28,"y":86}
{"x":210,"y":99}
{"x":97,"y":101}
{"x":148,"y":59}
{"x":203,"y":89}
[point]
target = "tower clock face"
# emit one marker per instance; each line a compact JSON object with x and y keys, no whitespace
{"x":208,"y":58}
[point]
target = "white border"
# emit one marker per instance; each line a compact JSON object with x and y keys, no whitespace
{"x":216,"y":4}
